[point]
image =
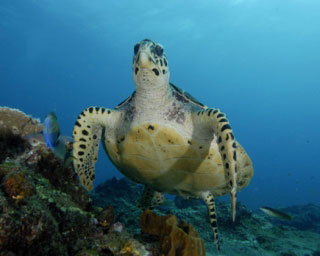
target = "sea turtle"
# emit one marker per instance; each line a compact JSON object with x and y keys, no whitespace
{"x":164,"y":138}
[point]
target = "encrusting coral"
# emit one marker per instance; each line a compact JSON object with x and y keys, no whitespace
{"x":16,"y":130}
{"x":18,"y":123}
{"x":106,"y":217}
{"x":16,"y":184}
{"x":176,"y":239}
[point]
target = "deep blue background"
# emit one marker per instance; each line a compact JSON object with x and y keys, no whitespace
{"x":257,"y":60}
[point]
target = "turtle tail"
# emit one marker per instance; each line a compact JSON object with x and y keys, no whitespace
{"x":87,"y":133}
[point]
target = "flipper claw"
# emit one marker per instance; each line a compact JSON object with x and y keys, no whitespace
{"x":233,"y":205}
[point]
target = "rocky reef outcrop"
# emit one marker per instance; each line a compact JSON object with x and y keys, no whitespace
{"x":43,"y":209}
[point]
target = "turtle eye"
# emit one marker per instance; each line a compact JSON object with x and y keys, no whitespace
{"x":136,"y":48}
{"x":159,"y":50}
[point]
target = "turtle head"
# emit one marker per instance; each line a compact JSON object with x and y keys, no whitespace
{"x":150,"y":65}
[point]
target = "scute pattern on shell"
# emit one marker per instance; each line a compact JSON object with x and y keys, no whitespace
{"x":187,"y":96}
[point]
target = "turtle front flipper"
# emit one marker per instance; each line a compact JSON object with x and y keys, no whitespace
{"x":150,"y":199}
{"x":217,"y":121}
{"x":87,"y":133}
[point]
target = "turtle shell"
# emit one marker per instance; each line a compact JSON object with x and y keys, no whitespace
{"x":186,"y":97}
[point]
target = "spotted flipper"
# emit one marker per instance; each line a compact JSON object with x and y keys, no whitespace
{"x":150,"y":199}
{"x":217,"y":121}
{"x":87,"y":133}
{"x":209,"y":200}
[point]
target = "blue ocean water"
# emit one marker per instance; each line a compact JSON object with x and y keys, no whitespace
{"x":256,"y":60}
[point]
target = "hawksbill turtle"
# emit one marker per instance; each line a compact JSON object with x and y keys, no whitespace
{"x":163,"y":138}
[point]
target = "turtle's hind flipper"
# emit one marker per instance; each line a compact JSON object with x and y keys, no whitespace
{"x":218,"y":122}
{"x":150,"y":199}
{"x":209,"y":199}
{"x":87,"y":133}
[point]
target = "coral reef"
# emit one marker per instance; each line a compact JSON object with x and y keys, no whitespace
{"x":122,"y":194}
{"x":252,"y":233}
{"x":40,"y":217}
{"x":44,"y":211}
{"x":16,"y":183}
{"x":37,"y":216}
{"x":106,"y":217}
{"x":18,"y":123}
{"x":176,"y":239}
{"x":16,"y":130}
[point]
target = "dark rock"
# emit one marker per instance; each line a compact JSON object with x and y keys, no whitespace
{"x":12,"y":145}
{"x":106,"y":217}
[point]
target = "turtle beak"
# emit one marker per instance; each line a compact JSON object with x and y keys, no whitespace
{"x":144,"y":60}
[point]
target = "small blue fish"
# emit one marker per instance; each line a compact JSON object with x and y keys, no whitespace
{"x":54,"y":140}
{"x":51,"y":130}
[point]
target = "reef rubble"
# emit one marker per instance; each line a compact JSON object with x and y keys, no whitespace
{"x":45,"y":211}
